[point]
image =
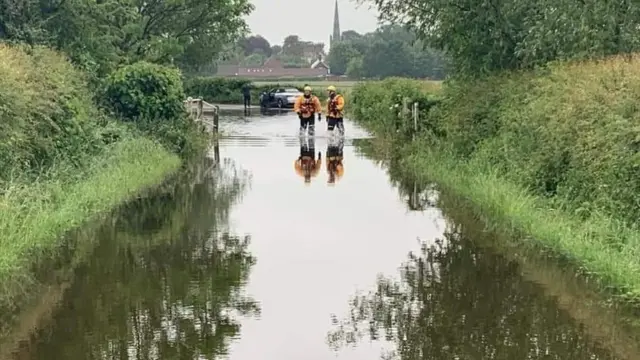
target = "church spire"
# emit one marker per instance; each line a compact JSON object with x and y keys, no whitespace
{"x":336,"y":36}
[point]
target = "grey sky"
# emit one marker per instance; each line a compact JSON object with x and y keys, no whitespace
{"x":311,"y":20}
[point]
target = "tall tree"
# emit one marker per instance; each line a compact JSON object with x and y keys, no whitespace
{"x":292,"y":46}
{"x":256,"y":42}
{"x":339,"y":57}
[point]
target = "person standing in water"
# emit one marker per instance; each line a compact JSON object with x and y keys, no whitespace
{"x":335,"y":110}
{"x":246,"y":96}
{"x":306,"y":106}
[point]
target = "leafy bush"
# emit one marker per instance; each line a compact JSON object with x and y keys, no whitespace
{"x":146,"y":91}
{"x":46,"y":110}
{"x":152,"y":98}
{"x":216,"y":89}
{"x":380,"y":104}
{"x":569,"y":133}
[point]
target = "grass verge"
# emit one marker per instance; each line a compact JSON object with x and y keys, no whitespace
{"x":551,"y":154}
{"x":37,"y":215}
{"x":586,"y":243}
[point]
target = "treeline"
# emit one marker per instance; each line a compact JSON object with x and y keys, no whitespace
{"x":254,"y":50}
{"x":391,"y":50}
{"x":488,"y":35}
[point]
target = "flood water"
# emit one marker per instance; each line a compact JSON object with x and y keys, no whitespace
{"x":244,"y":259}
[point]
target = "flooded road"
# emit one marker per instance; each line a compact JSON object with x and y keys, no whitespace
{"x":246,"y":259}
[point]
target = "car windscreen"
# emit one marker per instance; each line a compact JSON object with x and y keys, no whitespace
{"x":292,"y":90}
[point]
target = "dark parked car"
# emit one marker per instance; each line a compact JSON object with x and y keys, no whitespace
{"x":279,"y":97}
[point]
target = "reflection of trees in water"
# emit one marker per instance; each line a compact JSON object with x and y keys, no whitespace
{"x":455,"y":300}
{"x":419,"y":195}
{"x":166,"y":282}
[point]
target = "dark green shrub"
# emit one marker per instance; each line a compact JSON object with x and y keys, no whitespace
{"x":145,"y":90}
{"x":46,"y":110}
{"x":216,"y":89}
{"x":378,"y":104}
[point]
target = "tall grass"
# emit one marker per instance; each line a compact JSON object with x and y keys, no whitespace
{"x":552,"y":154}
{"x":600,"y":245}
{"x":36,"y":215}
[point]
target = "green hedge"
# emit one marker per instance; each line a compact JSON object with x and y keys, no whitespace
{"x":229,"y":91}
{"x":47,"y":113}
{"x":552,"y":154}
{"x":151,"y":97}
{"x":380,"y":104}
{"x":569,"y":133}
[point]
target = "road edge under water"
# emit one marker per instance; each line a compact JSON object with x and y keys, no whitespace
{"x":137,"y":175}
{"x":609,"y":322}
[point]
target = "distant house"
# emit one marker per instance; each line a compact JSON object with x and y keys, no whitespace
{"x":319,"y":64}
{"x":273,"y":68}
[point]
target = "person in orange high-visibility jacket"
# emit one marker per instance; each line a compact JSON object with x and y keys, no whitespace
{"x":335,"y":161}
{"x":306,"y":106}
{"x":335,"y":110}
{"x":306,"y":165}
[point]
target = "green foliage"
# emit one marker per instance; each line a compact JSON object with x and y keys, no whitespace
{"x":340,"y":55}
{"x":255,"y":50}
{"x":553,"y":153}
{"x":151,"y":97}
{"x":389,"y":51}
{"x":101,"y":36}
{"x":217,"y":89}
{"x":355,"y":68}
{"x":487,"y":35}
{"x":35,"y":216}
{"x":256,"y":45}
{"x":568,"y":134}
{"x":380,"y":104}
{"x":46,"y":110}
{"x":145,"y":90}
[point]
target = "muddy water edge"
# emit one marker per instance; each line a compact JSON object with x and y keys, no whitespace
{"x":225,"y":262}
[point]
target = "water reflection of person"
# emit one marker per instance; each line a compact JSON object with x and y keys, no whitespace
{"x":306,"y":164}
{"x":335,"y":160}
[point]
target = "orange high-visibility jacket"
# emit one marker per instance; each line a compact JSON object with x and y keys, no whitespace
{"x":307,"y":106}
{"x":335,"y":107}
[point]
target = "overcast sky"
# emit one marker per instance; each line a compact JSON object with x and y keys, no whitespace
{"x":312,"y":20}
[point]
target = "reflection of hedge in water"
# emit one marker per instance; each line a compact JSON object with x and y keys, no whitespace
{"x":389,"y":160}
{"x":603,"y":323}
{"x":173,"y":292}
{"x":458,"y":299}
{"x":181,"y":199}
{"x":455,"y":300}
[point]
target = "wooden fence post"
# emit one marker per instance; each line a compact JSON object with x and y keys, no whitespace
{"x":416,"y":113}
